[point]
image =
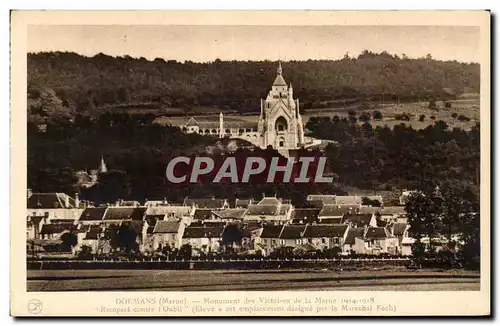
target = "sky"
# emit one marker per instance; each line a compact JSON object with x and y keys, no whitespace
{"x":207,"y":43}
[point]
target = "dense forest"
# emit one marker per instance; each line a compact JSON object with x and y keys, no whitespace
{"x":63,"y":83}
{"x":372,"y":158}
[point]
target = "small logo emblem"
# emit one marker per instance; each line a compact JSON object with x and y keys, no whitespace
{"x":35,"y":306}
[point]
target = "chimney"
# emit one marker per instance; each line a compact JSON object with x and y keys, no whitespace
{"x":29,"y":193}
{"x":77,"y":200}
{"x":66,"y":201}
{"x":117,"y":203}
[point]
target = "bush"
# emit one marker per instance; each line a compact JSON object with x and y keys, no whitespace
{"x":365,"y":116}
{"x":402,"y":117}
{"x":377,"y":115}
{"x":421,"y":117}
{"x":432,"y":103}
{"x":85,"y":253}
{"x":353,"y":119}
{"x":463,"y":118}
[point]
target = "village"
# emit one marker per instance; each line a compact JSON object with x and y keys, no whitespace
{"x":59,"y":225}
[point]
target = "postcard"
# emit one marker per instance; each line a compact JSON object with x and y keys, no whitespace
{"x":250,"y":163}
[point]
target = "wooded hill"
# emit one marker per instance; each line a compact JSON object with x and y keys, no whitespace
{"x":69,"y":83}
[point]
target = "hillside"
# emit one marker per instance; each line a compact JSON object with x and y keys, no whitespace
{"x":62,"y":83}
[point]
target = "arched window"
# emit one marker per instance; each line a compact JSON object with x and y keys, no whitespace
{"x":207,"y":131}
{"x":241,"y":131}
{"x":214,"y":131}
{"x":281,"y":124}
{"x":228,"y":131}
{"x":248,"y":130}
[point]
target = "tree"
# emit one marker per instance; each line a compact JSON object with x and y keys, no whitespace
{"x":432,"y":103}
{"x":69,"y":240}
{"x":424,"y":212}
{"x":421,"y":117}
{"x":123,"y":237}
{"x":365,"y":116}
{"x":377,"y":115}
{"x":85,"y":252}
{"x":185,"y":252}
{"x":463,"y":118}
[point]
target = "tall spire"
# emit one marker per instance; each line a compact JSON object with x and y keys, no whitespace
{"x":102,"y":166}
{"x":279,"y":81}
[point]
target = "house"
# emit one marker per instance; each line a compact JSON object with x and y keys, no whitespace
{"x":156,"y":203}
{"x":115,"y":215}
{"x":242,"y":203}
{"x":291,"y":235}
{"x":42,"y":208}
{"x":90,"y":235}
{"x":211,"y":203}
{"x":201,"y":214}
{"x":92,"y":215}
{"x":369,"y":210}
{"x":148,"y":226}
{"x":305,"y":215}
{"x":323,"y":236}
{"x":249,"y":233}
{"x":400,"y":231}
{"x":54,"y":231}
{"x":334,"y":213}
{"x":171,"y":212}
{"x":30,"y":230}
{"x":350,"y":240}
{"x":375,"y":241}
{"x":267,"y":238}
{"x":358,"y":220}
{"x":127,"y":203}
{"x":167,"y":233}
{"x":269,"y":209}
{"x":393,"y":214}
{"x":50,"y":200}
{"x":229,"y":214}
{"x":203,"y":239}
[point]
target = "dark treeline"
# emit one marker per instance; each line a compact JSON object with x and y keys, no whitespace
{"x":71,"y":83}
{"x":382,"y":157}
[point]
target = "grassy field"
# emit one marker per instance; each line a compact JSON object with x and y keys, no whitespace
{"x":250,"y":280}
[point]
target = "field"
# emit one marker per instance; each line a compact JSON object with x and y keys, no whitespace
{"x":467,"y":105}
{"x":250,"y":280}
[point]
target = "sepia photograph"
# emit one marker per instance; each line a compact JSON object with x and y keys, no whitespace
{"x":260,"y":156}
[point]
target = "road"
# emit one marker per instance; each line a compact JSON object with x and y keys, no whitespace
{"x":248,"y":280}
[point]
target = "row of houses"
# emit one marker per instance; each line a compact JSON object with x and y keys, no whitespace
{"x":210,"y":224}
